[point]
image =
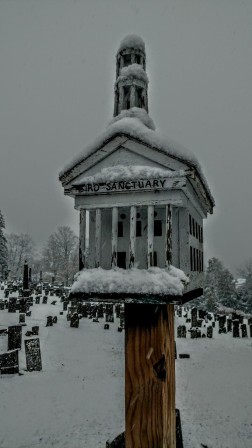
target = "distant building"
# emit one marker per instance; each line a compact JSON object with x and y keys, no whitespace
{"x":142,"y":198}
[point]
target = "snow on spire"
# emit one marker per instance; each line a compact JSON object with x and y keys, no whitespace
{"x":132,"y":41}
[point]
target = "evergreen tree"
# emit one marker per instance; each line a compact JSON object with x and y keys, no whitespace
{"x":219,"y":286}
{"x":3,"y":249}
{"x":245,"y":293}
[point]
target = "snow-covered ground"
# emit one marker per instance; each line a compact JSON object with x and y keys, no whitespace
{"x":77,"y":401}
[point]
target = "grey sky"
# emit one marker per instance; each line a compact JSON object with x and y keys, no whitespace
{"x":57,"y":71}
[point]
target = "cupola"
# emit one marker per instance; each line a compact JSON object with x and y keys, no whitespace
{"x":131,"y":86}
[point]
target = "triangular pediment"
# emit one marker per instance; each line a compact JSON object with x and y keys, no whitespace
{"x":122,"y":151}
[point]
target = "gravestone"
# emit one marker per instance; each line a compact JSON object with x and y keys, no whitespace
{"x":179,"y":311}
{"x":236,"y":333}
{"x":117,"y":311}
{"x":22,"y":305}
{"x":249,"y":320}
{"x":65,"y":305}
{"x":79,"y":307}
{"x":222,"y":321}
{"x":213,"y":324}
{"x":22,"y":318}
{"x":181,"y":331}
{"x":9,"y":362}
{"x":14,"y":337}
{"x":12,"y":305}
{"x":100,"y":313}
{"x":184,"y":356}
{"x":250,"y":330}
{"x":35,"y":330}
{"x":194,"y":317}
{"x":74,"y":320}
{"x":33,"y":355}
{"x":244,"y":331}
{"x":37,"y":300}
{"x":44,"y":300}
{"x":229,"y":325}
{"x":28,"y":313}
{"x":119,"y":329}
{"x":106,"y":327}
{"x":210,"y":332}
{"x":1,"y":305}
{"x":241,"y":319}
{"x":202,"y":314}
{"x":49,"y":322}
{"x":122,"y":318}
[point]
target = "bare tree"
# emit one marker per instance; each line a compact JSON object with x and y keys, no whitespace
{"x":20,"y":248}
{"x":60,"y":254}
{"x":3,"y":249}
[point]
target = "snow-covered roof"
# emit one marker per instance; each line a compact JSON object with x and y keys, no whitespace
{"x":132,"y":71}
{"x":134,"y":127}
{"x":131,"y":281}
{"x":132,"y":41}
{"x":129,"y":172}
{"x":135,"y":112}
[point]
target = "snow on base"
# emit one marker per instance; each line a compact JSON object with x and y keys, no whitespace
{"x":135,"y":112}
{"x":131,"y":281}
{"x":132,"y":71}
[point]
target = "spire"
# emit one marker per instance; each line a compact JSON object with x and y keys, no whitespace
{"x":131,"y":86}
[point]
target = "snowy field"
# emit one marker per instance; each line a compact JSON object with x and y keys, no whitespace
{"x":77,"y":400}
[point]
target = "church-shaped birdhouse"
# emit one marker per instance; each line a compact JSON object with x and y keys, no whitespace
{"x":142,"y":198}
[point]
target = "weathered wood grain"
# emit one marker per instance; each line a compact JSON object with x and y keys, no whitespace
{"x":149,"y":376}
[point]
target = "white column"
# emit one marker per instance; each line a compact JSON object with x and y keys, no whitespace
{"x":114,"y":236}
{"x":150,"y":239}
{"x":97,"y":237}
{"x":132,"y":248}
{"x":168,"y":235}
{"x":87,"y":234}
{"x":82,"y":233}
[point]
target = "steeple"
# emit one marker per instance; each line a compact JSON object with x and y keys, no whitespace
{"x":131,"y":86}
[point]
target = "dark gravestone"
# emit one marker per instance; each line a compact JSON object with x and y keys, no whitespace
{"x":179,"y":311}
{"x":55,"y":319}
{"x":54,"y":302}
{"x":74,"y":320}
{"x":6,"y":293}
{"x":49,"y":322}
{"x":9,"y":362}
{"x":22,"y":318}
{"x":100,"y":311}
{"x":14,"y":337}
{"x":65,"y":305}
{"x":117,"y":311}
{"x":213,"y":324}
{"x":30,"y":301}
{"x":236,"y":333}
{"x":199,"y":322}
{"x":33,"y":355}
{"x":235,"y":316}
{"x":12,"y":305}
{"x":222,"y":330}
{"x":109,"y":317}
{"x":61,"y":313}
{"x":28,"y":313}
{"x":47,"y":292}
{"x":184,"y":356}
{"x":35,"y":330}
{"x":119,"y":329}
{"x":79,"y":307}
{"x":22,"y":305}
{"x":106,"y":327}
{"x":122,"y":318}
{"x":1,"y":305}
{"x":229,"y":325}
{"x":37,"y":300}
{"x":202,"y":314}
{"x":210,"y":332}
{"x":244,"y":331}
{"x":209,"y":316}
{"x":193,"y":334}
{"x":44,"y":300}
{"x":222,"y":321}
{"x":29,"y":333}
{"x":181,"y":331}
{"x":250,"y":330}
{"x":241,"y":319}
{"x":194,"y":317}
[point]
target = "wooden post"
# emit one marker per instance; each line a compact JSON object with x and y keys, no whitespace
{"x":168,"y":236}
{"x":97,"y":237}
{"x":149,"y":376}
{"x":82,"y":235}
{"x":114,"y":236}
{"x":132,"y":250}
{"x":150,"y":254}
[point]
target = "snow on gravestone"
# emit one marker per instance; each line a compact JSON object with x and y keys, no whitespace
{"x":33,"y":355}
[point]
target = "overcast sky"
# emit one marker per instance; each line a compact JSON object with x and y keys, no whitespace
{"x":57,"y":71}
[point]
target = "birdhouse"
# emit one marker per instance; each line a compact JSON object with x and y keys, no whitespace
{"x":142,"y":198}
